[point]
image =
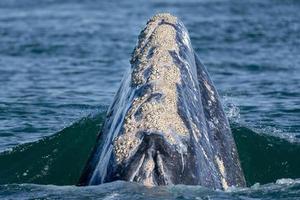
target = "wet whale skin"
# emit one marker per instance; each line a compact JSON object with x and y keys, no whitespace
{"x":166,"y":124}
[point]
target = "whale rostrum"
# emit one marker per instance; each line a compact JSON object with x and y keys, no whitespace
{"x":166,"y":124}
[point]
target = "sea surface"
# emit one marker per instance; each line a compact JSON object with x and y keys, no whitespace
{"x":61,"y":62}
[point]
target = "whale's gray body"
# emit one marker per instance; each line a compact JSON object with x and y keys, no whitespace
{"x":166,"y":124}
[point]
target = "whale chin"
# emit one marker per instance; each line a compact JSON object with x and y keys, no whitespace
{"x":149,"y":163}
{"x":157,"y":162}
{"x":166,"y":124}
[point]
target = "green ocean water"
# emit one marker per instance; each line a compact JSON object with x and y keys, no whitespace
{"x":59,"y":160}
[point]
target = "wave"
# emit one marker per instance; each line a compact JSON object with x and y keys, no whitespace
{"x":57,"y":159}
{"x":266,"y":158}
{"x":60,"y":158}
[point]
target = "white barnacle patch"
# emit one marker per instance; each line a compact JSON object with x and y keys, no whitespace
{"x":167,"y":17}
{"x":123,"y":145}
{"x":152,"y":55}
{"x":222,"y":172}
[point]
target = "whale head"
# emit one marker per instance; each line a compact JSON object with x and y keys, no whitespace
{"x":166,"y":124}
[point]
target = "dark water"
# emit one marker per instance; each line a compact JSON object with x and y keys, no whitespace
{"x":62,"y":60}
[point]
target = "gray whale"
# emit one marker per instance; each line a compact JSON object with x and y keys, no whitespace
{"x":166,"y":124}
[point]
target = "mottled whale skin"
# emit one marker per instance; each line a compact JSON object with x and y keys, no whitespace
{"x":166,"y":124}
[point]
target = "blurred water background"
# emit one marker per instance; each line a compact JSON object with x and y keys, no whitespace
{"x":63,"y":60}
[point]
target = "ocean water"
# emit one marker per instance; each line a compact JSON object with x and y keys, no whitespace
{"x":61,"y":63}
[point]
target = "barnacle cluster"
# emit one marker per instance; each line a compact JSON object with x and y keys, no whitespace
{"x":153,"y":65}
